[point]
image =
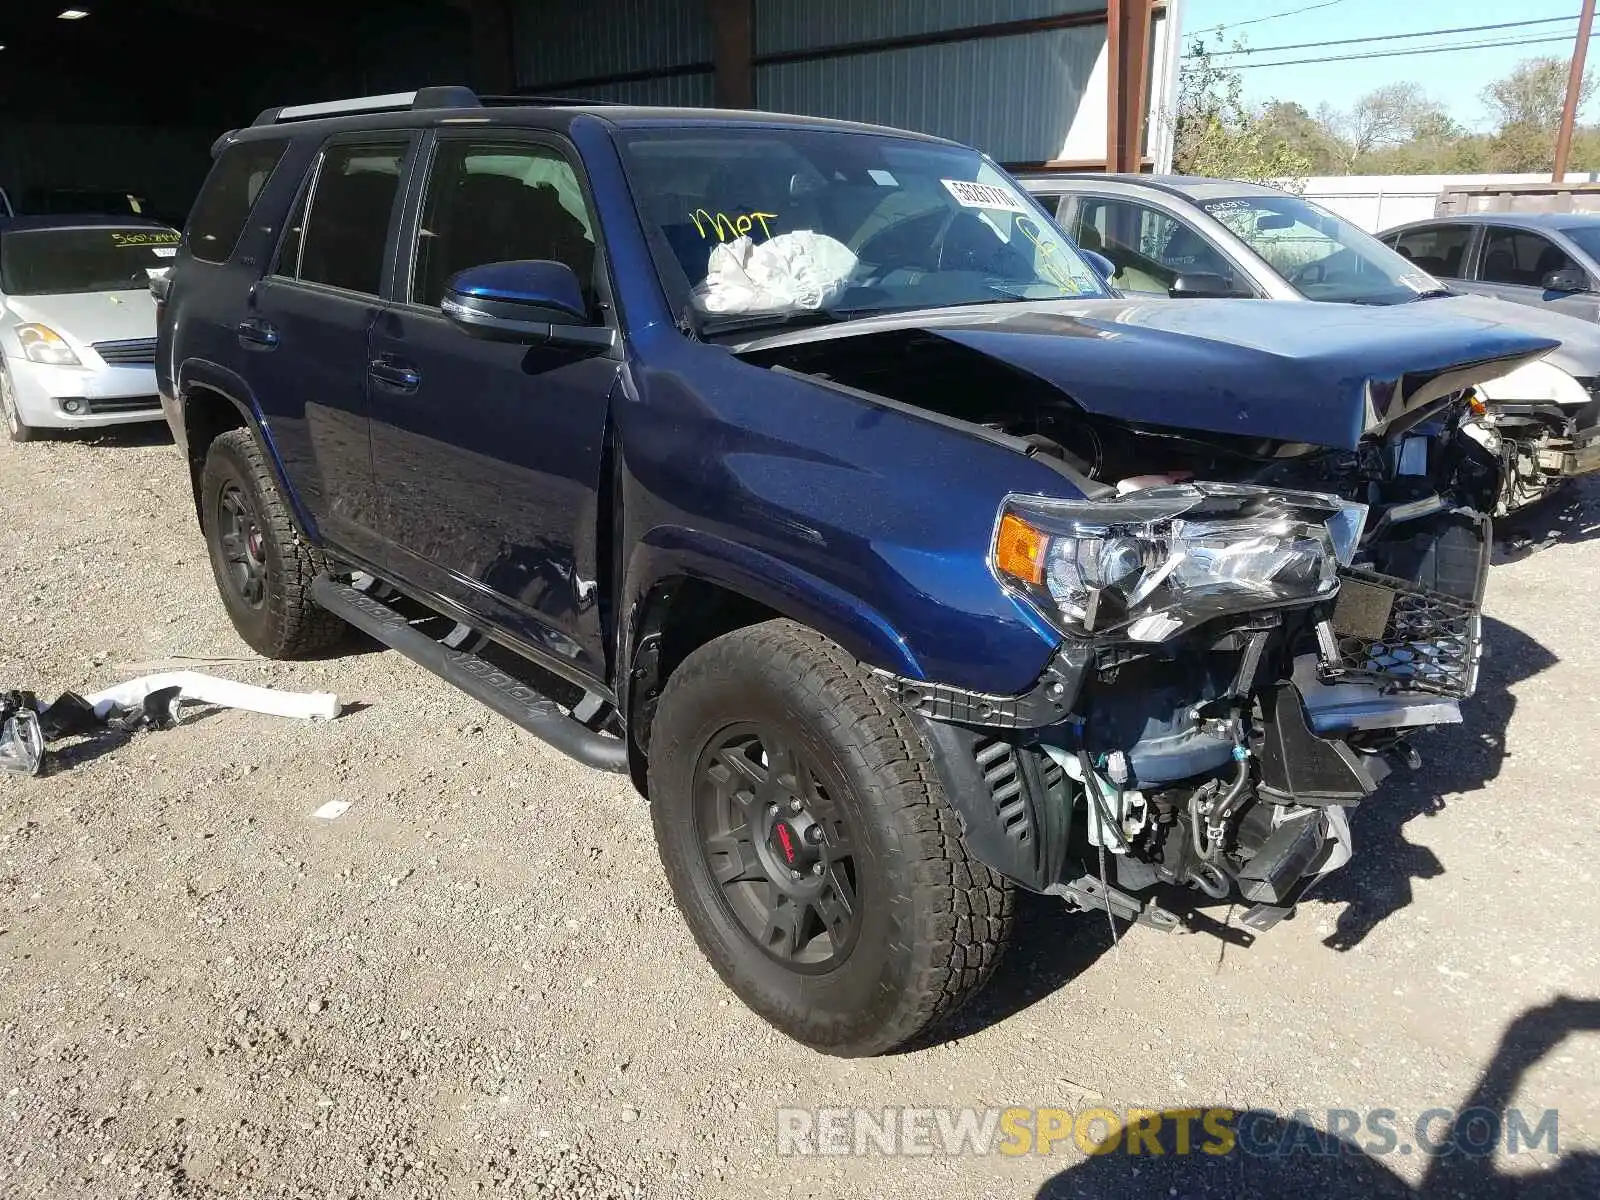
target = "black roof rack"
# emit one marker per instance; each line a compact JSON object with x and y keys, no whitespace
{"x":514,"y":98}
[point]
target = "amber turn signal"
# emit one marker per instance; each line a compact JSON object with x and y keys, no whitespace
{"x":1019,"y":550}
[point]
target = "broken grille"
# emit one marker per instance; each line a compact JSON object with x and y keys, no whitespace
{"x":1395,"y":633}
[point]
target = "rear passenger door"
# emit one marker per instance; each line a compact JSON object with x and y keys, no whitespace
{"x":307,"y":324}
{"x":488,"y":454}
{"x":1513,"y":262}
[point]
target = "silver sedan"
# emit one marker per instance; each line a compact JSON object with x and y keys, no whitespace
{"x":78,"y":322}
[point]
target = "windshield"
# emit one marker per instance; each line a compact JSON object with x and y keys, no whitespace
{"x":787,"y":222}
{"x":41,"y":262}
{"x":1587,"y":238}
{"x":1322,"y":256}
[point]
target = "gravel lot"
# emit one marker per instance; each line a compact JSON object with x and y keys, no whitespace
{"x":474,"y":980}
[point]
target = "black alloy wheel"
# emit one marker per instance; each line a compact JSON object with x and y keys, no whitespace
{"x":778,"y":847}
{"x":243,"y":546}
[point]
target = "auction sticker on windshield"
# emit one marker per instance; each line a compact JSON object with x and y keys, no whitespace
{"x":985,"y":195}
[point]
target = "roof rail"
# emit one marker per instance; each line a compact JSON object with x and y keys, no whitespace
{"x":514,"y":98}
{"x":449,"y":96}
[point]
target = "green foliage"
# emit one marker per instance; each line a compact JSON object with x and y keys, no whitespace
{"x":1397,"y":129}
{"x":1217,"y":133}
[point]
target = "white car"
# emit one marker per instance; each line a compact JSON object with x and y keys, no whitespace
{"x":78,"y":322}
{"x":1185,"y":236}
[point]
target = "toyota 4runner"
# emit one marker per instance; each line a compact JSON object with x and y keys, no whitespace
{"x":806,"y":473}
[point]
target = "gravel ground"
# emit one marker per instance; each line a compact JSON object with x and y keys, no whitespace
{"x":475,"y":981}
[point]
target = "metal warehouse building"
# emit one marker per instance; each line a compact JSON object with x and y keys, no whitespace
{"x":1026,"y":80}
{"x":130,"y":95}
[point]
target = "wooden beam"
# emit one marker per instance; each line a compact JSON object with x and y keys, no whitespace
{"x":733,"y":48}
{"x":1127,"y":80}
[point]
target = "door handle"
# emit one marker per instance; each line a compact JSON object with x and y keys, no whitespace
{"x":254,"y":331}
{"x":393,"y":375}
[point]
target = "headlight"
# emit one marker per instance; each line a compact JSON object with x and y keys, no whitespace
{"x":1166,"y":558}
{"x":41,"y":344}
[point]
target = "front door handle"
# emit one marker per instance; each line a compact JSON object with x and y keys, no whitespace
{"x":392,"y":375}
{"x":253,"y":331}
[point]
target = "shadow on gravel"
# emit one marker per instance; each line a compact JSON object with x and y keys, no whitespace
{"x":1274,"y":1157}
{"x":1456,"y":759}
{"x":1051,"y":946}
{"x":1571,"y":515}
{"x":118,"y":437}
{"x":72,"y":754}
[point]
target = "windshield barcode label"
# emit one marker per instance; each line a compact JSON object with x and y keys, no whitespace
{"x":985,"y":195}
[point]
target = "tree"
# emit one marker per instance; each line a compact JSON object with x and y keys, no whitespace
{"x":1289,"y":123}
{"x":1216,"y":133}
{"x":1393,"y":118}
{"x":1526,"y":107}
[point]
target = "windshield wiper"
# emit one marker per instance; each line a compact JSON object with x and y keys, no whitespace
{"x":1433,"y":293}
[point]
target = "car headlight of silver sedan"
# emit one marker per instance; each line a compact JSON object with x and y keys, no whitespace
{"x":41,"y":344}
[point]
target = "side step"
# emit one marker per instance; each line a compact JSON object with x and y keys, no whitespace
{"x":484,"y":681}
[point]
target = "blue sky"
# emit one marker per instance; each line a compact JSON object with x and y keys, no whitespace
{"x":1455,"y":78}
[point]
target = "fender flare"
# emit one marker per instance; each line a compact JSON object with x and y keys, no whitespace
{"x":199,"y":373}
{"x":666,"y":553}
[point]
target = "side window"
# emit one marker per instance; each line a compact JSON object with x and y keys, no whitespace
{"x":343,"y":234}
{"x":1149,"y":248}
{"x":1439,"y":249}
{"x":230,"y":191}
{"x":497,"y":202}
{"x":1520,"y":257}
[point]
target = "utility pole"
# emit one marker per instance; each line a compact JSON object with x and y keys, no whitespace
{"x":1569,"y":110}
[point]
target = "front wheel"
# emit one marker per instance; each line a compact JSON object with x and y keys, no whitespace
{"x":810,"y":846}
{"x":11,"y":412}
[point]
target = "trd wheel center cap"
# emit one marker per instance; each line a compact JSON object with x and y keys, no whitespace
{"x":795,"y":842}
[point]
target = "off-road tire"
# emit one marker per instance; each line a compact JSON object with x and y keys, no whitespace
{"x":289,"y":623}
{"x":10,"y":413}
{"x":934,"y":921}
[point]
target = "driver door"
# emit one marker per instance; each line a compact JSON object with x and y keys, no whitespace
{"x":487,"y":454}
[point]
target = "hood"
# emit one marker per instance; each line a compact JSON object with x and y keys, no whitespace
{"x":86,"y":317}
{"x":1325,"y":374}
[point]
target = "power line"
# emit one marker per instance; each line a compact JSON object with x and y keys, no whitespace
{"x":1389,"y":37}
{"x":1295,"y":62}
{"x":1293,"y":12}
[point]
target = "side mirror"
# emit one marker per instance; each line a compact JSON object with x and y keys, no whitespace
{"x":1200,"y":285}
{"x":1102,"y":265}
{"x":527,"y":301}
{"x":1568,"y":279}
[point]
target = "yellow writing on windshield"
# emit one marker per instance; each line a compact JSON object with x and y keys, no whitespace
{"x":729,"y":226}
{"x":1049,"y":264}
{"x":156,"y":237}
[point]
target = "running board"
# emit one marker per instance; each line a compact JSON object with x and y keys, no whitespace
{"x":511,"y":698}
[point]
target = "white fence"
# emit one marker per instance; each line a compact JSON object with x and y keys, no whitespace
{"x":1377,"y":202}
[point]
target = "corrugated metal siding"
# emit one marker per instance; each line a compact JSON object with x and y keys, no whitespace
{"x":1012,"y":97}
{"x":607,"y":37}
{"x":677,"y":91}
{"x":784,"y":25}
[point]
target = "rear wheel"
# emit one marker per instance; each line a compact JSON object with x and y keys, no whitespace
{"x":810,"y":845}
{"x":262,"y":567}
{"x":11,"y":411}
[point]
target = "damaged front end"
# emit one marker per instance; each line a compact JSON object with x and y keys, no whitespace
{"x":1252,"y":627}
{"x":1240,"y":664}
{"x":1239,"y":667}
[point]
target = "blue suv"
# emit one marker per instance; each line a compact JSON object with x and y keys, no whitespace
{"x":807,"y":473}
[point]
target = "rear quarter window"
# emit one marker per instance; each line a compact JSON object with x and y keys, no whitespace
{"x":230,"y":192}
